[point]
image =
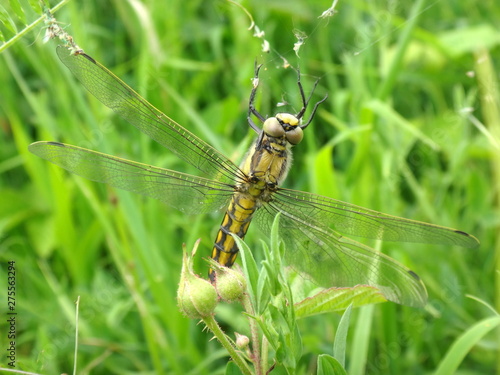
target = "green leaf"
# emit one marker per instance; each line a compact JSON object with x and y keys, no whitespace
{"x":275,"y":232}
{"x":464,"y":344}
{"x":340,"y":342}
{"x":287,"y":341}
{"x":263,"y":287}
{"x":327,"y":365}
{"x":232,"y":369}
{"x":338,"y":299}
{"x":272,"y":272}
{"x":273,"y":261}
{"x":250,"y":271}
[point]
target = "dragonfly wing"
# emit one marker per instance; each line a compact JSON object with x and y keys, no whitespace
{"x":122,"y":99}
{"x":331,"y":260}
{"x":353,"y":220}
{"x":185,"y":192}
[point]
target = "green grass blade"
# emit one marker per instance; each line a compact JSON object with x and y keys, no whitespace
{"x":361,"y":339}
{"x":464,"y":344}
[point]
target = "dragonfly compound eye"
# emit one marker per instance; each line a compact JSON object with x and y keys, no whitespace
{"x":294,"y":136}
{"x":273,"y":127}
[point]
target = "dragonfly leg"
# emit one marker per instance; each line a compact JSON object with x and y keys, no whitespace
{"x":314,"y":110}
{"x":305,"y":101}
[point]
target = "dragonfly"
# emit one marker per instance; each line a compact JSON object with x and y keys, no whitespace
{"x":311,"y":226}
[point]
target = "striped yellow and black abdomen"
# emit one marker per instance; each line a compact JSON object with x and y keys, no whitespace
{"x":236,"y":220}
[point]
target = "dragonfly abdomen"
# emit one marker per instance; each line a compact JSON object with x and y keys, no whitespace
{"x":236,"y":220}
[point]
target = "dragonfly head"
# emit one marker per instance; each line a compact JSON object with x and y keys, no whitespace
{"x":284,"y":125}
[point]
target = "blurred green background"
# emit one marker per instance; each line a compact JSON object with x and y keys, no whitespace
{"x":411,"y":128}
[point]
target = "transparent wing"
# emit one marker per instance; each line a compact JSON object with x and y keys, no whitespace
{"x":121,"y":98}
{"x":353,"y":220}
{"x":185,"y":192}
{"x":330,"y":260}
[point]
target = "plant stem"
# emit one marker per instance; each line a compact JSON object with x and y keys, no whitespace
{"x":254,"y":329}
{"x":29,"y":28}
{"x":226,"y":343}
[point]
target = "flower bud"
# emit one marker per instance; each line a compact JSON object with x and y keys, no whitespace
{"x":230,"y":284}
{"x":242,"y":341}
{"x":196,"y":297}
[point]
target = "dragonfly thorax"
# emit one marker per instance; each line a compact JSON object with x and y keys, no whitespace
{"x":269,"y":159}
